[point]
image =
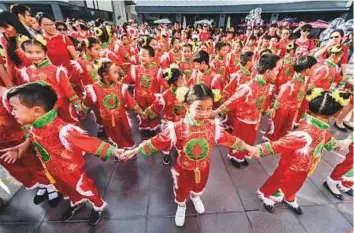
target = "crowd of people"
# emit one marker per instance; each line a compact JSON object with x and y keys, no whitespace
{"x":189,"y":89}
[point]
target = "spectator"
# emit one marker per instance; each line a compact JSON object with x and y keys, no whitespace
{"x":205,"y":34}
{"x":304,"y":42}
{"x":23,"y":13}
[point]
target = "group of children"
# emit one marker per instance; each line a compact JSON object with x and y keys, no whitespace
{"x":188,"y":94}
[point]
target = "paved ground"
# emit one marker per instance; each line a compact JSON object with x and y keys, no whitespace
{"x":140,"y":198}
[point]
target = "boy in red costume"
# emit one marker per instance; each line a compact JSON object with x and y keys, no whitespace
{"x":218,"y":64}
{"x":60,"y":147}
{"x":248,"y":104}
{"x":187,"y":65}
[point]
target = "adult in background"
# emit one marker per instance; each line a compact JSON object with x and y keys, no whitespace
{"x":12,"y":29}
{"x":23,"y":13}
{"x":204,"y":34}
{"x":304,"y":42}
{"x":59,"y":47}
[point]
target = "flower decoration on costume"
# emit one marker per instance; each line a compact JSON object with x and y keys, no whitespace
{"x":98,"y":32}
{"x":337,"y":49}
{"x":336,"y":95}
{"x":217,"y":95}
{"x":316,"y":92}
{"x":23,"y":39}
{"x":41,"y":40}
{"x":181,"y":93}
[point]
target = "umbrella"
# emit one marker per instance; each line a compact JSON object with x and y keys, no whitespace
{"x":162,"y":21}
{"x":204,"y":21}
{"x":319,"y":24}
{"x":228,"y":24}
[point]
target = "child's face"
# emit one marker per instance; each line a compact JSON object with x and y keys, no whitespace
{"x":187,"y":52}
{"x":125,"y":40}
{"x":222,"y":52}
{"x":273,"y":43}
{"x":35,"y":53}
{"x":201,"y":110}
{"x":176,"y":44}
{"x":153,"y":44}
{"x":8,"y":30}
{"x":180,"y":82}
{"x":94,"y":52}
{"x":204,"y":48}
{"x":273,"y":73}
{"x":23,"y":114}
{"x":113,"y":73}
{"x":237,"y":47}
{"x":144,"y":57}
{"x":265,"y":42}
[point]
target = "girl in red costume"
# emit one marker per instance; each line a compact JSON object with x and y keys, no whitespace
{"x":290,"y":98}
{"x":111,"y":99}
{"x":233,"y":58}
{"x":218,"y":64}
{"x":172,"y":56}
{"x":42,"y":70}
{"x":194,"y":137}
{"x":187,"y":65}
{"x":301,"y":150}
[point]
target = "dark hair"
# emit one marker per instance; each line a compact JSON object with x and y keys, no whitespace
{"x":265,"y":51}
{"x":246,"y":57}
{"x":176,"y":74}
{"x":57,"y":24}
{"x":306,"y":27}
{"x":33,"y":42}
{"x":274,"y":25}
{"x":106,"y":65}
{"x":304,"y":63}
{"x":340,"y":31}
{"x":201,"y":56}
{"x":325,"y":104}
{"x":88,"y":43}
{"x":40,"y":16}
{"x":219,"y":45}
{"x":143,"y":41}
{"x":267,"y":37}
{"x":267,"y":62}
{"x":253,"y":37}
{"x":276,"y":37}
{"x":198,"y":92}
{"x":102,"y":33}
{"x":8,"y":18}
{"x":239,"y":42}
{"x":35,"y":94}
{"x":19,"y":9}
{"x":150,"y":50}
{"x":173,"y":40}
{"x":188,"y":46}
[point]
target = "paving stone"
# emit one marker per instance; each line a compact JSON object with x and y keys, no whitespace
{"x":324,"y":219}
{"x":58,"y":227}
{"x":167,"y":225}
{"x":18,"y":228}
{"x":346,"y":208}
{"x":225,"y":223}
{"x":120,"y":226}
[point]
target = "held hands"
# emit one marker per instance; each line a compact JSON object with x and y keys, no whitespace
{"x":253,"y":151}
{"x":125,"y":155}
{"x":12,"y":154}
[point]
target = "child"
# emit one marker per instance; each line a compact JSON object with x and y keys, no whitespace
{"x":56,"y":77}
{"x":218,"y":64}
{"x":124,"y":51}
{"x":60,"y":146}
{"x":233,"y":58}
{"x":290,"y":98}
{"x":146,"y":86}
{"x":111,"y":98}
{"x":342,"y":176}
{"x":172,"y":101}
{"x":194,"y":137}
{"x":248,"y":104}
{"x":187,"y":65}
{"x":172,"y":56}
{"x":301,"y":150}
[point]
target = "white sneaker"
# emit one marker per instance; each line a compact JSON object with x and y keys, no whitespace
{"x":198,"y":204}
{"x":180,"y":215}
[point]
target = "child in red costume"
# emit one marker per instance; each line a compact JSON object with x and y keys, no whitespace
{"x":248,"y":104}
{"x":341,"y":178}
{"x":233,"y":58}
{"x":290,"y":98}
{"x":194,"y":137}
{"x":301,"y":150}
{"x":60,"y":147}
{"x":218,"y":64}
{"x":124,"y":51}
{"x":172,"y":56}
{"x":187,"y":65}
{"x":147,"y":85}
{"x":42,"y":70}
{"x":111,"y":99}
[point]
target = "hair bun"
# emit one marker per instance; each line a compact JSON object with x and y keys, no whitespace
{"x":313,"y":93}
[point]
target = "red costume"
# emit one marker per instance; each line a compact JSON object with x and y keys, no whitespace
{"x":282,"y":47}
{"x":247,"y":105}
{"x":287,"y":105}
{"x":60,"y":147}
{"x":187,"y":66}
{"x":300,"y":151}
{"x":111,"y":103}
{"x":218,"y":65}
{"x":236,"y":79}
{"x":125,"y":53}
{"x":170,"y":57}
{"x":194,"y":143}
{"x":147,"y":85}
{"x":286,"y":72}
{"x":56,"y":77}
{"x":232,"y":63}
{"x":208,"y":77}
{"x":305,"y":46}
{"x":324,"y":76}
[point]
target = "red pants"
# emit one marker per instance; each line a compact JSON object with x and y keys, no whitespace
{"x":184,"y":183}
{"x":120,"y":133}
{"x":147,"y":124}
{"x":246,"y":132}
{"x":78,"y":187}
{"x":283,"y":178}
{"x":283,"y":122}
{"x":343,"y":171}
{"x":28,"y":170}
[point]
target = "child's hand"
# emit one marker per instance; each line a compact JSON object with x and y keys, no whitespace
{"x":11,"y":156}
{"x":143,"y":116}
{"x":253,"y":151}
{"x":129,"y":154}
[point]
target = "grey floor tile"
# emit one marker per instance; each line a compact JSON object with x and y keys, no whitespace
{"x":18,"y":228}
{"x":167,"y":225}
{"x":225,"y":223}
{"x":281,"y":221}
{"x":324,"y":219}
{"x":21,"y":208}
{"x":120,"y":226}
{"x":58,"y":227}
{"x":346,"y":208}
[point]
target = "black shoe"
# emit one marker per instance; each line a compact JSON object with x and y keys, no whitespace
{"x":235,"y":163}
{"x":339,"y":128}
{"x":245,"y":162}
{"x":71,"y":212}
{"x":349,"y":192}
{"x":297,"y":210}
{"x":166,"y":159}
{"x":269,"y":208}
{"x":101,"y":134}
{"x":54,"y":202}
{"x":338,"y":196}
{"x":95,"y":218}
{"x":347,"y":126}
{"x":40,"y":198}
